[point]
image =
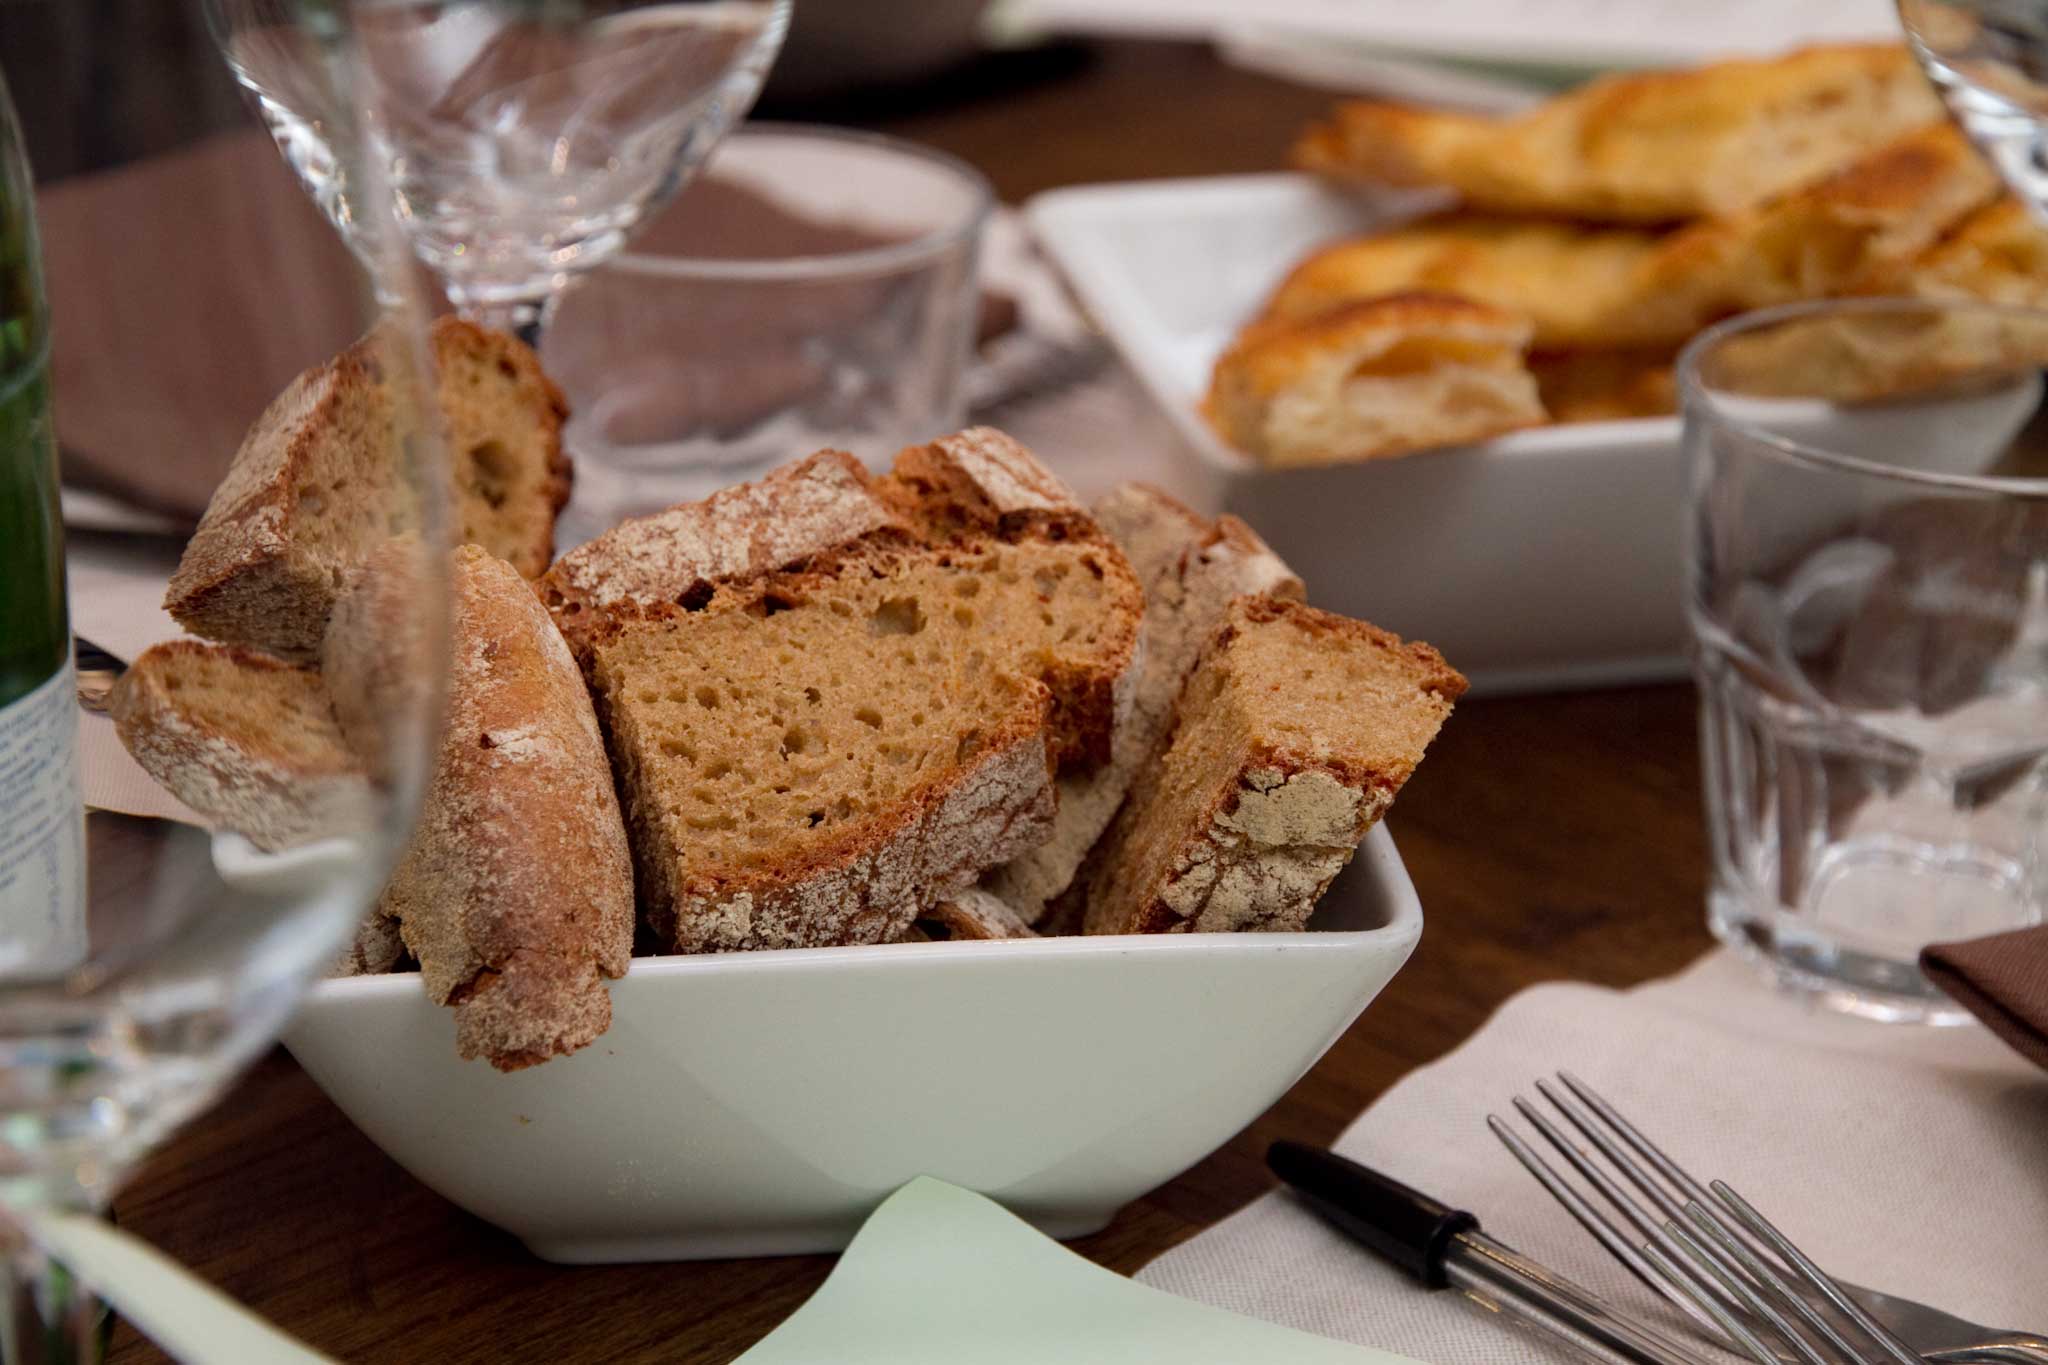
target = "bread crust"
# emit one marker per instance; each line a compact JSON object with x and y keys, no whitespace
{"x":270,"y":553}
{"x":276,"y":794}
{"x":973,"y":914}
{"x":645,"y":568}
{"x":516,"y":893}
{"x":1191,"y":569}
{"x":1275,"y":824}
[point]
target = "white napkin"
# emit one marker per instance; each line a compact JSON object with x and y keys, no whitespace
{"x":1906,"y":1159}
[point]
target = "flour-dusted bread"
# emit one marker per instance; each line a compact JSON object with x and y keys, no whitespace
{"x":317,"y":484}
{"x":1375,"y":378}
{"x":248,"y":741}
{"x":648,"y":567}
{"x":516,"y":893}
{"x":1191,"y":568}
{"x":976,"y":486}
{"x":815,"y":758}
{"x":1291,"y":739}
{"x":1652,"y":147}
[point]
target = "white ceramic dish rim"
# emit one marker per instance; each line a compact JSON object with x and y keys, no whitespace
{"x":1120,"y":311}
{"x":1395,"y":895}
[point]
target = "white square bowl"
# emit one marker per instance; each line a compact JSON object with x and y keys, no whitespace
{"x":1541,"y":559}
{"x":751,"y":1104}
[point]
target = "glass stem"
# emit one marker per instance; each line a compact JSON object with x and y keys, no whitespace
{"x":523,"y":318}
{"x":52,"y":1318}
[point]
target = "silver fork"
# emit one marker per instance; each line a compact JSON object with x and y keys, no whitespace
{"x":1724,"y":1265}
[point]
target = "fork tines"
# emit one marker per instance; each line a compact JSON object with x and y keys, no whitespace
{"x":1703,"y":1248}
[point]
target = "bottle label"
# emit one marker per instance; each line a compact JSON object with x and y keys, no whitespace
{"x":42,"y":832}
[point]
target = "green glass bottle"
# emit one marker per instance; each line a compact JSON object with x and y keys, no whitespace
{"x":42,"y":831}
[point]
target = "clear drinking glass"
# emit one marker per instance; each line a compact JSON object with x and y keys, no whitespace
{"x":1867,"y":548}
{"x":816,"y":287}
{"x":1989,"y":60}
{"x":144,"y":961}
{"x":525,"y":139}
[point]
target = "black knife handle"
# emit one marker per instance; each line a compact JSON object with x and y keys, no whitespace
{"x":1404,"y":1226}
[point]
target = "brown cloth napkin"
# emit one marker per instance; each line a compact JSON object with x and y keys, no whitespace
{"x":2003,"y":980}
{"x":189,"y":289}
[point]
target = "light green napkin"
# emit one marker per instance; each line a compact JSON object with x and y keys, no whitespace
{"x":941,"y":1275}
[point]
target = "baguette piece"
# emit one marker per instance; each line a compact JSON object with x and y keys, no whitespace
{"x":1191,"y":569}
{"x":1294,"y":734}
{"x":317,"y":484}
{"x":815,"y":758}
{"x":976,"y":488}
{"x":248,"y":741}
{"x":1374,"y":378}
{"x":516,"y":893}
{"x":1643,"y":148}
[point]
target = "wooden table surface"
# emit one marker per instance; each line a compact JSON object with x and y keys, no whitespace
{"x":1550,"y":837}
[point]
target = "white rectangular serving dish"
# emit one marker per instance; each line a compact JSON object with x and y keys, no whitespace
{"x":1547,"y":558}
{"x":751,"y":1104}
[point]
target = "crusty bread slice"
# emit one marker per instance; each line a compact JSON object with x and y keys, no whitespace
{"x":650,"y":566}
{"x":814,"y":758}
{"x":972,"y":914}
{"x":248,"y":741}
{"x":1374,"y":378}
{"x":1292,"y":737}
{"x":1653,"y":147}
{"x":1191,"y":568}
{"x":976,"y":486}
{"x":317,"y":484}
{"x":516,"y":893}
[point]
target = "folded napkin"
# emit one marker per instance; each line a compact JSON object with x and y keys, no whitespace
{"x":1904,"y":1158}
{"x":941,"y":1275}
{"x":2003,"y":980}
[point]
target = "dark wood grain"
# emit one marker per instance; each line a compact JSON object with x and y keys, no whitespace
{"x":1550,"y":837}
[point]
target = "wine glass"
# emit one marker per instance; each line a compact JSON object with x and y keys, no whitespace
{"x":1989,"y":61}
{"x":144,"y":961}
{"x":524,"y":139}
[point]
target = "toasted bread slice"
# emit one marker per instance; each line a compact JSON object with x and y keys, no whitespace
{"x":1293,"y":736}
{"x":318,"y":484}
{"x":1375,"y":378}
{"x":1658,"y":147}
{"x":248,"y":741}
{"x":1585,"y":288}
{"x":1191,"y":568}
{"x":815,"y":758}
{"x":516,"y":893}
